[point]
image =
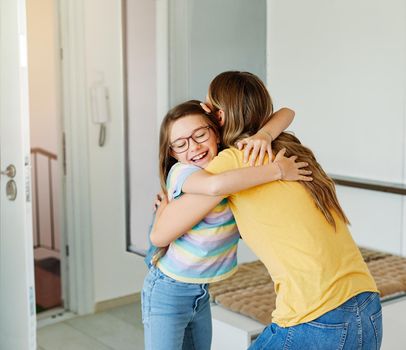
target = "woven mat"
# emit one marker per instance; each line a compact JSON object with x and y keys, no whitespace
{"x":250,"y":291}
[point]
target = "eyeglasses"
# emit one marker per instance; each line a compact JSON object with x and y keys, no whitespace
{"x":199,"y":136}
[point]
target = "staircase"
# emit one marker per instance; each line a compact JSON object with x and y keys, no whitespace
{"x":46,"y":230}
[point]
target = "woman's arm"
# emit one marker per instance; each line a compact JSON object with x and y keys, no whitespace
{"x":280,"y":120}
{"x":232,"y":181}
{"x":258,"y":145}
{"x":173,"y":219}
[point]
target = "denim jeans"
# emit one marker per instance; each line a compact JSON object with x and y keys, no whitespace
{"x":356,"y":324}
{"x":176,"y":315}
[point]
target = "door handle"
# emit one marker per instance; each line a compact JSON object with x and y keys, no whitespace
{"x":11,"y":186}
{"x":10,"y":171}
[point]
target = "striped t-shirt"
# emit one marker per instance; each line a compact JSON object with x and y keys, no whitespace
{"x":208,"y":252}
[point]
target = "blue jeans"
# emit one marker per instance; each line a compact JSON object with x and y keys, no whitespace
{"x":356,"y":324}
{"x":176,"y":315}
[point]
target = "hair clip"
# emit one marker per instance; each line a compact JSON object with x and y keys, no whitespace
{"x":205,"y":107}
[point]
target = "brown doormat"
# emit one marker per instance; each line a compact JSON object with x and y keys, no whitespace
{"x":48,"y":283}
{"x":250,"y":291}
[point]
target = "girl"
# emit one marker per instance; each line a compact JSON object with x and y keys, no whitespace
{"x":175,"y":301}
{"x":326,"y":297}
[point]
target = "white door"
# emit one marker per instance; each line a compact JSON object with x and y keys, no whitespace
{"x":17,"y":304}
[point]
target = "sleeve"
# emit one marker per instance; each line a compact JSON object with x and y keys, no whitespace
{"x":177,"y":177}
{"x":228,"y":159}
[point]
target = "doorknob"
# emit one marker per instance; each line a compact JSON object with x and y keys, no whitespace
{"x":10,"y":171}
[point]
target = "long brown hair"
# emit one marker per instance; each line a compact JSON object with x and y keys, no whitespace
{"x":247,"y":107}
{"x":188,"y":108}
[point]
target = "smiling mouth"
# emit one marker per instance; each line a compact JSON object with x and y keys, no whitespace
{"x":199,"y":156}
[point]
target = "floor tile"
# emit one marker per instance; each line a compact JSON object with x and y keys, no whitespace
{"x":110,"y":330}
{"x":128,"y":313}
{"x":61,"y":336}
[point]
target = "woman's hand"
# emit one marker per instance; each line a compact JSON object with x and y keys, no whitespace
{"x":290,"y":169}
{"x":159,"y":206}
{"x":255,"y":148}
{"x":161,"y":201}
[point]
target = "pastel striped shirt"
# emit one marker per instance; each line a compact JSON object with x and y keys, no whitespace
{"x":208,"y":252}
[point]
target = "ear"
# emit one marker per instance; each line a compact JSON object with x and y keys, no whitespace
{"x":220,"y":117}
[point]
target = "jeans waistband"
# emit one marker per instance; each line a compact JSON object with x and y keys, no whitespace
{"x":359,"y":301}
{"x":157,"y":273}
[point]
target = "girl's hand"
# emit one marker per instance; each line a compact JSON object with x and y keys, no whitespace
{"x":290,"y":170}
{"x":255,"y":148}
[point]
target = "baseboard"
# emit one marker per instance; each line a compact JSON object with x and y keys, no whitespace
{"x":112,"y":303}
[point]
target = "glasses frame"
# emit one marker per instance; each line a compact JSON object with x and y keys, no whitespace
{"x":208,"y":127}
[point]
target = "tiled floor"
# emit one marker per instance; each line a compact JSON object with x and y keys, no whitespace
{"x":115,"y":329}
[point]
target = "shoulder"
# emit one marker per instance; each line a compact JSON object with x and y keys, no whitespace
{"x":179,"y":168}
{"x":231,"y":152}
{"x":177,"y":176}
{"x":230,"y":158}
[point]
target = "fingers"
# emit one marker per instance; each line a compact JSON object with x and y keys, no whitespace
{"x":240,"y":144}
{"x":269,"y":151}
{"x":293,"y":158}
{"x":301,"y":164}
{"x":160,"y":198}
{"x":247,"y":150}
{"x":280,"y":154}
{"x":165,"y":200}
{"x":254,"y":154}
{"x":205,"y":107}
{"x":254,"y":151}
{"x":305,"y":178}
{"x":261,"y":155}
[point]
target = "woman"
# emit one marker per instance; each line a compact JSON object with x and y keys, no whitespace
{"x":326,"y":297}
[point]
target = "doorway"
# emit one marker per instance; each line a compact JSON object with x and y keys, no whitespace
{"x":46,"y":154}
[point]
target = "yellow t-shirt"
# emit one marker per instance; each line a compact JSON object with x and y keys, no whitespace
{"x":315,"y":268}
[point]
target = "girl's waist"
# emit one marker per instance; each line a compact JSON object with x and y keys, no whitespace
{"x":156,"y":273}
{"x":194,"y":275}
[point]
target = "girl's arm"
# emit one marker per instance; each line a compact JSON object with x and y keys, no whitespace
{"x":170,"y":224}
{"x":259,"y":144}
{"x":173,"y":219}
{"x":232,"y":181}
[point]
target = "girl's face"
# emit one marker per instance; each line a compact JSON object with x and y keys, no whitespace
{"x":193,"y":131}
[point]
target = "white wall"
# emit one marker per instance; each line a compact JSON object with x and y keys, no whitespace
{"x":116,"y":272}
{"x":342,"y":66}
{"x":43,"y":55}
{"x":141,"y":83}
{"x":209,"y":37}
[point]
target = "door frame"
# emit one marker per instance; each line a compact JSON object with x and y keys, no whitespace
{"x":77,"y":199}
{"x":43,"y":317}
{"x":162,"y":60}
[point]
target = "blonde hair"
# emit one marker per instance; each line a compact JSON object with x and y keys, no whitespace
{"x":251,"y":104}
{"x":188,"y":108}
{"x":247,"y":106}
